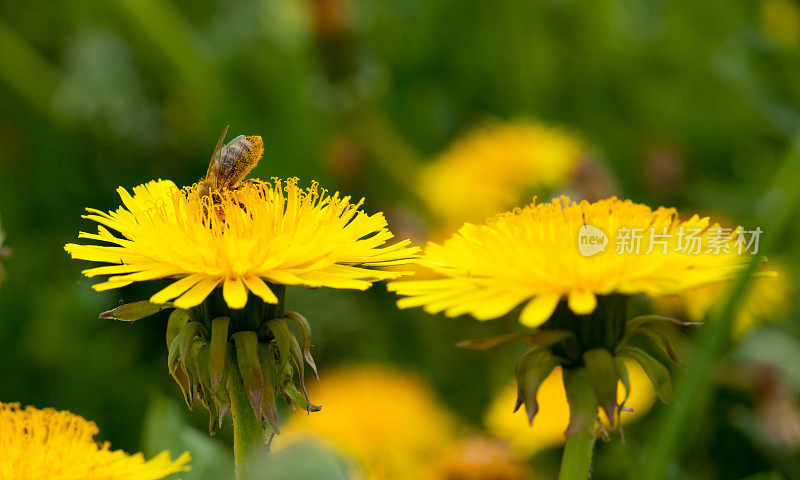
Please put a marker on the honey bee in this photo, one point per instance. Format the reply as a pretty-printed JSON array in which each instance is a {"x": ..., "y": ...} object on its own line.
[{"x": 230, "y": 163}]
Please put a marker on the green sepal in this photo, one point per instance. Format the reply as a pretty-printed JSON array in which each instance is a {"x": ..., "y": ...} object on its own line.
[
  {"x": 581, "y": 399},
  {"x": 177, "y": 371},
  {"x": 222, "y": 396},
  {"x": 622, "y": 373},
  {"x": 305, "y": 332},
  {"x": 301, "y": 399},
  {"x": 531, "y": 371},
  {"x": 185, "y": 340},
  {"x": 657, "y": 331},
  {"x": 270, "y": 373},
  {"x": 489, "y": 342},
  {"x": 218, "y": 349},
  {"x": 643, "y": 320},
  {"x": 546, "y": 338},
  {"x": 602, "y": 373},
  {"x": 656, "y": 337},
  {"x": 131, "y": 312},
  {"x": 283, "y": 338},
  {"x": 659, "y": 374},
  {"x": 285, "y": 376},
  {"x": 177, "y": 320},
  {"x": 297, "y": 358},
  {"x": 246, "y": 344},
  {"x": 203, "y": 361}
]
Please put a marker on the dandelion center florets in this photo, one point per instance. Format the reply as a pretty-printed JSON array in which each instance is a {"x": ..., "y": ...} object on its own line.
[
  {"x": 243, "y": 239},
  {"x": 532, "y": 256}
]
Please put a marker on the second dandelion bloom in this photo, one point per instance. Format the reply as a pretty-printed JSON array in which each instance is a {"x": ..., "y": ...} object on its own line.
[
  {"x": 533, "y": 256},
  {"x": 572, "y": 268}
]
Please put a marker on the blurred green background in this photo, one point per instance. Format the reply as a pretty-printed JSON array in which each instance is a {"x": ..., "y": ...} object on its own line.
[{"x": 355, "y": 94}]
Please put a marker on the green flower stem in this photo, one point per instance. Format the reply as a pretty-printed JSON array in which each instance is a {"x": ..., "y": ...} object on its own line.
[
  {"x": 248, "y": 432},
  {"x": 577, "y": 460}
]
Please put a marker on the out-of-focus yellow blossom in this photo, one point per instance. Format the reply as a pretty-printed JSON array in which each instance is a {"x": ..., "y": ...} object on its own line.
[
  {"x": 54, "y": 445},
  {"x": 780, "y": 21},
  {"x": 386, "y": 419},
  {"x": 244, "y": 240},
  {"x": 532, "y": 256},
  {"x": 480, "y": 458},
  {"x": 767, "y": 297},
  {"x": 548, "y": 427},
  {"x": 495, "y": 168}
]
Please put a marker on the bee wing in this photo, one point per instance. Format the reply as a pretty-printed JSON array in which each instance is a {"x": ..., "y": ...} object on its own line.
[{"x": 209, "y": 173}]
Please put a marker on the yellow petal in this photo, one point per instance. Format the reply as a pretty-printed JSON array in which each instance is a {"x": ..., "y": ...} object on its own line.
[
  {"x": 258, "y": 287},
  {"x": 176, "y": 288},
  {"x": 582, "y": 302},
  {"x": 102, "y": 287},
  {"x": 538, "y": 310},
  {"x": 195, "y": 295},
  {"x": 234, "y": 293}
]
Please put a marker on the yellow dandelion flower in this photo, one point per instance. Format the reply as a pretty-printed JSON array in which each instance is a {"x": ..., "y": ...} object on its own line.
[
  {"x": 780, "y": 21},
  {"x": 493, "y": 168},
  {"x": 480, "y": 458},
  {"x": 386, "y": 419},
  {"x": 58, "y": 445},
  {"x": 547, "y": 430},
  {"x": 244, "y": 240},
  {"x": 534, "y": 255},
  {"x": 768, "y": 296}
]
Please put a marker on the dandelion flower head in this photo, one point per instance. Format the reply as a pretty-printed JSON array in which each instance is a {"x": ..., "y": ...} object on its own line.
[
  {"x": 58, "y": 445},
  {"x": 531, "y": 256},
  {"x": 242, "y": 239},
  {"x": 780, "y": 22}
]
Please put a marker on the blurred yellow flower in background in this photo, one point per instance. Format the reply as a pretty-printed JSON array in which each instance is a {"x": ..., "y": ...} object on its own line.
[
  {"x": 493, "y": 168},
  {"x": 531, "y": 256},
  {"x": 780, "y": 21},
  {"x": 480, "y": 458},
  {"x": 768, "y": 297},
  {"x": 244, "y": 240},
  {"x": 57, "y": 445},
  {"x": 386, "y": 419},
  {"x": 547, "y": 429}
]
